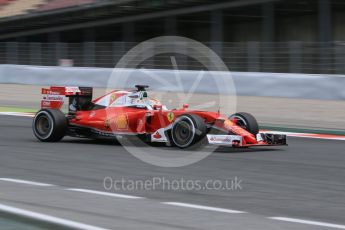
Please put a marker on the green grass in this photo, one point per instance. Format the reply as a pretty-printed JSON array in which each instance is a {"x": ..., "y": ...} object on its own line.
[
  {"x": 15, "y": 109},
  {"x": 14, "y": 222},
  {"x": 23, "y": 110}
]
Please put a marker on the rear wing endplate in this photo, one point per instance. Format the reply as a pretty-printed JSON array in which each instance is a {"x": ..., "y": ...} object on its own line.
[{"x": 53, "y": 97}]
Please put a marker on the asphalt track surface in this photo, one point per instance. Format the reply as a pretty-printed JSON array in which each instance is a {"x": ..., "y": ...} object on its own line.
[{"x": 305, "y": 180}]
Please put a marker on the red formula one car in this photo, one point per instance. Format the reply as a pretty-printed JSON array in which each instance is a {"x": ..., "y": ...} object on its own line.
[{"x": 133, "y": 113}]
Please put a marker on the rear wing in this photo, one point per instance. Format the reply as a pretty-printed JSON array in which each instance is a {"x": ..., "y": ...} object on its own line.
[{"x": 53, "y": 97}]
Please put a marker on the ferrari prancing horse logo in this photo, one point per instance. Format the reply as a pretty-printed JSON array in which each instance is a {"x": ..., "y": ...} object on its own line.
[{"x": 170, "y": 117}]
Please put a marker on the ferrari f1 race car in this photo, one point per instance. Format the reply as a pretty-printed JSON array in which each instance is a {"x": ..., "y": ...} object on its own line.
[{"x": 133, "y": 113}]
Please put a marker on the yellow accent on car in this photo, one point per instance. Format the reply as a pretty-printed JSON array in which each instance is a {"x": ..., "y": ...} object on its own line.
[{"x": 171, "y": 117}]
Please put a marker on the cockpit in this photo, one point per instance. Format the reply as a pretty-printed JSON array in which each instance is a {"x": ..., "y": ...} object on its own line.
[{"x": 137, "y": 99}]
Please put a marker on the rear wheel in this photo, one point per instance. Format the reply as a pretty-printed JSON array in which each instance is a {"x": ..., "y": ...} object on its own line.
[
  {"x": 188, "y": 130},
  {"x": 246, "y": 121},
  {"x": 49, "y": 125}
]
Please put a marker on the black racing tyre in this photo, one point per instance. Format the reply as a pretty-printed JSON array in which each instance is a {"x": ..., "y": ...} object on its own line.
[
  {"x": 49, "y": 125},
  {"x": 246, "y": 121},
  {"x": 188, "y": 130}
]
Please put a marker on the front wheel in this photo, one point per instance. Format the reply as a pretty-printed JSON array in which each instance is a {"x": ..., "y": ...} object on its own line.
[
  {"x": 246, "y": 121},
  {"x": 188, "y": 130},
  {"x": 49, "y": 125}
]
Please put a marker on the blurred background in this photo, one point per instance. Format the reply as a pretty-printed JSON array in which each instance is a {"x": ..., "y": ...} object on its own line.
[
  {"x": 290, "y": 36},
  {"x": 255, "y": 38},
  {"x": 286, "y": 58}
]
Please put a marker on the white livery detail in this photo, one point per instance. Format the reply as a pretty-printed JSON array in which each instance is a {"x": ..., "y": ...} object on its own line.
[
  {"x": 223, "y": 139},
  {"x": 73, "y": 90},
  {"x": 49, "y": 97},
  {"x": 259, "y": 137},
  {"x": 159, "y": 136}
]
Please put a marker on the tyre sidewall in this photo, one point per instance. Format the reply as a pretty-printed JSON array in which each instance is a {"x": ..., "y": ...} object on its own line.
[
  {"x": 251, "y": 122},
  {"x": 58, "y": 125},
  {"x": 196, "y": 125}
]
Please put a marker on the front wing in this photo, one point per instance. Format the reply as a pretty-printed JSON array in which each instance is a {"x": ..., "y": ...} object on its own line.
[{"x": 263, "y": 139}]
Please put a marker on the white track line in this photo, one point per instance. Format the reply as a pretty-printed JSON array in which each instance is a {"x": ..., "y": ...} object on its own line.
[
  {"x": 316, "y": 223},
  {"x": 25, "y": 182},
  {"x": 203, "y": 207},
  {"x": 47, "y": 218},
  {"x": 104, "y": 193}
]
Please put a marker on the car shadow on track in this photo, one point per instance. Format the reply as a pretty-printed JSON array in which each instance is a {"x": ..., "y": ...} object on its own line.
[{"x": 229, "y": 150}]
